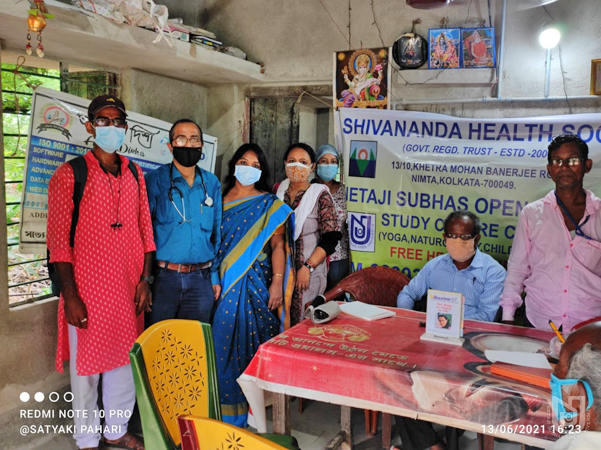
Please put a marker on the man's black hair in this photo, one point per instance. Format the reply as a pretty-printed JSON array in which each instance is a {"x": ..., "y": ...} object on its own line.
[
  {"x": 477, "y": 226},
  {"x": 184, "y": 121},
  {"x": 558, "y": 141}
]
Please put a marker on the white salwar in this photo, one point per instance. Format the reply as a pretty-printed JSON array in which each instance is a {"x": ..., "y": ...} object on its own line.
[{"x": 118, "y": 397}]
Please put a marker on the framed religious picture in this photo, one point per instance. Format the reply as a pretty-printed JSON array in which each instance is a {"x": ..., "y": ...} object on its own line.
[
  {"x": 478, "y": 47},
  {"x": 361, "y": 78},
  {"x": 596, "y": 77},
  {"x": 445, "y": 48}
]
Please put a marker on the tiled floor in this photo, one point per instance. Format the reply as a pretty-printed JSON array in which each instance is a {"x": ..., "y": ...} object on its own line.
[{"x": 318, "y": 424}]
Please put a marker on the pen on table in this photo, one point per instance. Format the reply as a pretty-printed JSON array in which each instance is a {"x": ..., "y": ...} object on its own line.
[{"x": 559, "y": 336}]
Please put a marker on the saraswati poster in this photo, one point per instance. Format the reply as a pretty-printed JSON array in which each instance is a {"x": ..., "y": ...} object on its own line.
[{"x": 362, "y": 78}]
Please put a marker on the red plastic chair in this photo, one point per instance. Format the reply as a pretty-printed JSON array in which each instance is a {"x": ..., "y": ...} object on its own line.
[
  {"x": 199, "y": 433},
  {"x": 374, "y": 285}
]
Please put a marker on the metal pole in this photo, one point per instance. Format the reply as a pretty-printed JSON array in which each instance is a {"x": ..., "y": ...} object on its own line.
[
  {"x": 548, "y": 73},
  {"x": 64, "y": 68},
  {"x": 501, "y": 50}
]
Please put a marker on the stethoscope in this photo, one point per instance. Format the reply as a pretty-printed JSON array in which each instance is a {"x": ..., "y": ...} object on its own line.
[{"x": 208, "y": 200}]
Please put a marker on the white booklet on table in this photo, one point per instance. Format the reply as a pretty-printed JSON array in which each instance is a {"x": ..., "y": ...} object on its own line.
[{"x": 366, "y": 311}]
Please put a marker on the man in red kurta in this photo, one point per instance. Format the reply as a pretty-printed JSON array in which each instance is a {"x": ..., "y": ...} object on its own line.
[{"x": 104, "y": 277}]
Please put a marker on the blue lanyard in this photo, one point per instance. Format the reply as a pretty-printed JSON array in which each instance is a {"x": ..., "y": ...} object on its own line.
[{"x": 578, "y": 231}]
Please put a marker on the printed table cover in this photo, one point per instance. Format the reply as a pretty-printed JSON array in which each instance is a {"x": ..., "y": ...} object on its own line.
[{"x": 383, "y": 365}]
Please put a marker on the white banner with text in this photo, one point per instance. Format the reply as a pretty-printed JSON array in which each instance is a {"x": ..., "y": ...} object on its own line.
[{"x": 406, "y": 171}]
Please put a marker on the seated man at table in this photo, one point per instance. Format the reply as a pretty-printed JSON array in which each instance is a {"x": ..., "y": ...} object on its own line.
[
  {"x": 579, "y": 371},
  {"x": 464, "y": 269}
]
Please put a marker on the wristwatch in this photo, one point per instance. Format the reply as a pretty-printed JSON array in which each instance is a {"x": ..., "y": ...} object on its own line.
[
  {"x": 309, "y": 266},
  {"x": 150, "y": 279}
]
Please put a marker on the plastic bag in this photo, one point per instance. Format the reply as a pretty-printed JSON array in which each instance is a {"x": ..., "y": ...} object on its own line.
[{"x": 141, "y": 13}]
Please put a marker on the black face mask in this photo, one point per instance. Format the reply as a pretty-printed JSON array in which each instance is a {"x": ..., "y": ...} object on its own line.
[{"x": 187, "y": 156}]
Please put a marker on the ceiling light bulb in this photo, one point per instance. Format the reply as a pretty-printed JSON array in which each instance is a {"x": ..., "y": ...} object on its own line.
[{"x": 549, "y": 37}]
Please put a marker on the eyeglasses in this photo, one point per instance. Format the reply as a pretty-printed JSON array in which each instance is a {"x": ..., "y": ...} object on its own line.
[
  {"x": 181, "y": 141},
  {"x": 463, "y": 237},
  {"x": 119, "y": 122},
  {"x": 568, "y": 161}
]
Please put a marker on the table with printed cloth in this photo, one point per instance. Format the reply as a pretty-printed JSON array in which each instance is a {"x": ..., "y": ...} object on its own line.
[{"x": 384, "y": 366}]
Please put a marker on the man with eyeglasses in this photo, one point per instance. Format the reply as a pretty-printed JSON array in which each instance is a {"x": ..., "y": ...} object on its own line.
[
  {"x": 556, "y": 253},
  {"x": 463, "y": 269},
  {"x": 576, "y": 391},
  {"x": 185, "y": 205},
  {"x": 103, "y": 268}
]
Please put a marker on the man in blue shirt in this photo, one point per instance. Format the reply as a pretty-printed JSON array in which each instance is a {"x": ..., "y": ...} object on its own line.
[
  {"x": 463, "y": 269},
  {"x": 185, "y": 206}
]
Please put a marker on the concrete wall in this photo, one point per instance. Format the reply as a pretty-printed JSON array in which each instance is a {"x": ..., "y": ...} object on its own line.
[
  {"x": 297, "y": 47},
  {"x": 307, "y": 120},
  {"x": 164, "y": 98},
  {"x": 191, "y": 11},
  {"x": 227, "y": 120}
]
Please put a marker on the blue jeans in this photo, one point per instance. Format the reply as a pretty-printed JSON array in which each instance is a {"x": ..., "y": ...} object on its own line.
[{"x": 181, "y": 296}]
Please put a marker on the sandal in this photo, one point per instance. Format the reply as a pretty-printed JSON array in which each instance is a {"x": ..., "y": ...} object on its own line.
[{"x": 127, "y": 441}]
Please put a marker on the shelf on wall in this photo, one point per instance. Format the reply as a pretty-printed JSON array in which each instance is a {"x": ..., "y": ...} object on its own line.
[
  {"x": 87, "y": 39},
  {"x": 483, "y": 77}
]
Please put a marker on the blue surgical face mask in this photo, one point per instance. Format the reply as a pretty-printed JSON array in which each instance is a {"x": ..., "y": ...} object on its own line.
[
  {"x": 557, "y": 396},
  {"x": 327, "y": 172},
  {"x": 110, "y": 139},
  {"x": 247, "y": 175}
]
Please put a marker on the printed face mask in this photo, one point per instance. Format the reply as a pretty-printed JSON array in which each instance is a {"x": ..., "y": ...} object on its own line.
[
  {"x": 187, "y": 156},
  {"x": 461, "y": 250},
  {"x": 109, "y": 138},
  {"x": 247, "y": 175},
  {"x": 327, "y": 171},
  {"x": 297, "y": 172}
]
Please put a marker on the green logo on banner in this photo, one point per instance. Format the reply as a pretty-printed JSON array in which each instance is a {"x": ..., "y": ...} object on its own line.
[{"x": 363, "y": 159}]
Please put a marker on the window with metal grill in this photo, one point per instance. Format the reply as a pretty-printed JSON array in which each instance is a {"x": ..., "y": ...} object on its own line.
[{"x": 28, "y": 274}]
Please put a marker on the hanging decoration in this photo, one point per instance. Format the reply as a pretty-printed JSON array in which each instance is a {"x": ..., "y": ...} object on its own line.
[
  {"x": 410, "y": 50},
  {"x": 36, "y": 22}
]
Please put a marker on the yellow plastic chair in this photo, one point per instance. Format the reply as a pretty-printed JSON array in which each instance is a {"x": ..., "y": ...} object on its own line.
[
  {"x": 173, "y": 363},
  {"x": 174, "y": 369},
  {"x": 198, "y": 433}
]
